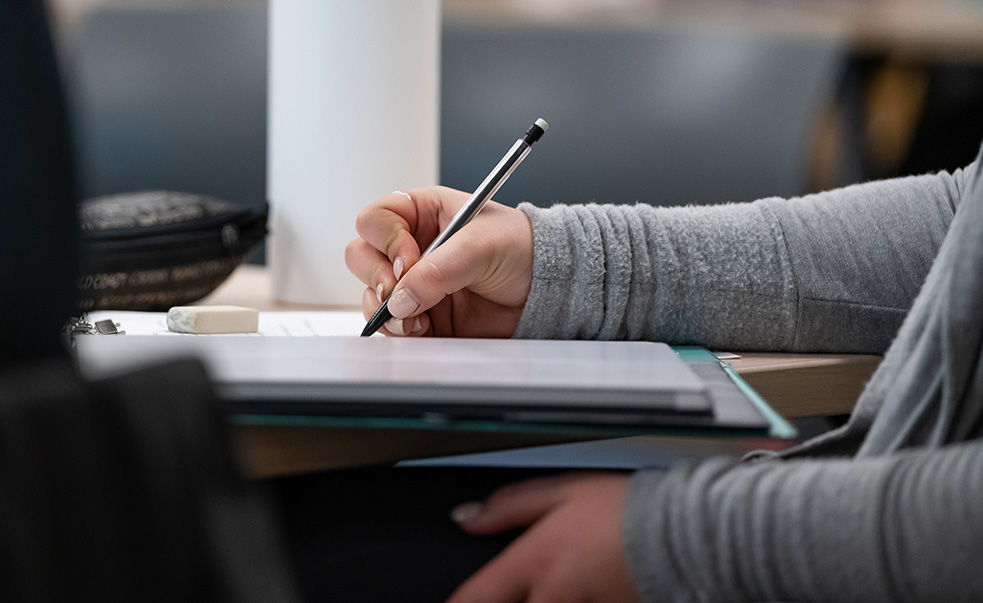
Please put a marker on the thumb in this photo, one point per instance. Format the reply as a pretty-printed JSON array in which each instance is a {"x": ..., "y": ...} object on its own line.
[{"x": 432, "y": 278}]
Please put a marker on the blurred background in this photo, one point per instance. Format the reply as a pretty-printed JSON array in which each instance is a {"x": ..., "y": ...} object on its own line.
[{"x": 659, "y": 101}]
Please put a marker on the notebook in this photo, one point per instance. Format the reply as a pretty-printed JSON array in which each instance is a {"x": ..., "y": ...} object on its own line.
[{"x": 298, "y": 366}]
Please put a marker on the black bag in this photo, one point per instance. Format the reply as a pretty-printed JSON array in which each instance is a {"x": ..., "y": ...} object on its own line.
[{"x": 153, "y": 250}]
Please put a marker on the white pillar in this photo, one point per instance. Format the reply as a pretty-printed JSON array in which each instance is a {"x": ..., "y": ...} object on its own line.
[{"x": 353, "y": 114}]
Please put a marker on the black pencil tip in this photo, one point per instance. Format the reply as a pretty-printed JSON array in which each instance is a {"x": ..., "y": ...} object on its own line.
[{"x": 378, "y": 319}]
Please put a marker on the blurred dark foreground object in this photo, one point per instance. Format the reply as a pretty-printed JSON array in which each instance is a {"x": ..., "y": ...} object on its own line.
[
  {"x": 154, "y": 250},
  {"x": 39, "y": 231},
  {"x": 126, "y": 490},
  {"x": 119, "y": 490}
]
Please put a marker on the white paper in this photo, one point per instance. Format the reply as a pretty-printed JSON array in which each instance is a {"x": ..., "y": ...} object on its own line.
[{"x": 271, "y": 324}]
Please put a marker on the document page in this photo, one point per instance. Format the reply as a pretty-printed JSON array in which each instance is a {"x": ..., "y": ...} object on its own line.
[{"x": 271, "y": 324}]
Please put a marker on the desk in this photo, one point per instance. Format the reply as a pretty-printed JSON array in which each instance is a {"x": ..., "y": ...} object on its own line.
[{"x": 796, "y": 385}]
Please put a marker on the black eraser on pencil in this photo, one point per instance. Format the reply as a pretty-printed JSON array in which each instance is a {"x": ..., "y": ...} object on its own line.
[{"x": 536, "y": 131}]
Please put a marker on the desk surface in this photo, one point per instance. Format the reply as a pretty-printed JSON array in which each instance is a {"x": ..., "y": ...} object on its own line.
[{"x": 796, "y": 385}]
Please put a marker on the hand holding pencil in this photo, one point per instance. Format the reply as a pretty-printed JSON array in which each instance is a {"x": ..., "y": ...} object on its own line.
[
  {"x": 471, "y": 284},
  {"x": 475, "y": 285}
]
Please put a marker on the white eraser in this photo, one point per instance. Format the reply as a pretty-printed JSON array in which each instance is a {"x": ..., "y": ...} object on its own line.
[
  {"x": 542, "y": 124},
  {"x": 212, "y": 319}
]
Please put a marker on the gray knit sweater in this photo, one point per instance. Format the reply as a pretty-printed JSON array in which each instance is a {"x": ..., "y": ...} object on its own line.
[{"x": 888, "y": 508}]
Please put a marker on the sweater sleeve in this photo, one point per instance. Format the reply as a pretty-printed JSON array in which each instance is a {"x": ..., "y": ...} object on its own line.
[
  {"x": 835, "y": 271},
  {"x": 840, "y": 530}
]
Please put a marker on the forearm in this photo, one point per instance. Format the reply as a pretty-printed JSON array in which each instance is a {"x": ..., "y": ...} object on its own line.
[
  {"x": 836, "y": 530},
  {"x": 835, "y": 271},
  {"x": 661, "y": 274}
]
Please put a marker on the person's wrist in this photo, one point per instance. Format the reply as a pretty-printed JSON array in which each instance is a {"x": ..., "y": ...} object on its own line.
[
  {"x": 550, "y": 275},
  {"x": 521, "y": 250}
]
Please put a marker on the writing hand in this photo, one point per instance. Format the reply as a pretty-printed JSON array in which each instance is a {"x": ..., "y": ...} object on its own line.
[
  {"x": 572, "y": 550},
  {"x": 474, "y": 285}
]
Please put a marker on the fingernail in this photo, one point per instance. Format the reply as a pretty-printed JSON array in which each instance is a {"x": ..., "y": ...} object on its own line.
[
  {"x": 398, "y": 267},
  {"x": 396, "y": 326},
  {"x": 403, "y": 303},
  {"x": 417, "y": 324},
  {"x": 378, "y": 292},
  {"x": 466, "y": 512}
]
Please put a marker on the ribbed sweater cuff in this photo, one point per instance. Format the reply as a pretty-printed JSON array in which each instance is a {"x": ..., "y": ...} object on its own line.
[{"x": 556, "y": 308}]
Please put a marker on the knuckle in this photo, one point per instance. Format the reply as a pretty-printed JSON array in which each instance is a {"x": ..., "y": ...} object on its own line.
[
  {"x": 352, "y": 249},
  {"x": 364, "y": 219}
]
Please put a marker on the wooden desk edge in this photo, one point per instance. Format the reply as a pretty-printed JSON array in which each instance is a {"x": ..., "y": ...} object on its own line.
[
  {"x": 762, "y": 362},
  {"x": 801, "y": 385}
]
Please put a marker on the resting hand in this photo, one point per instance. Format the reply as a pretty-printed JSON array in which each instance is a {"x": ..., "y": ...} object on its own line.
[
  {"x": 572, "y": 551},
  {"x": 474, "y": 285}
]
